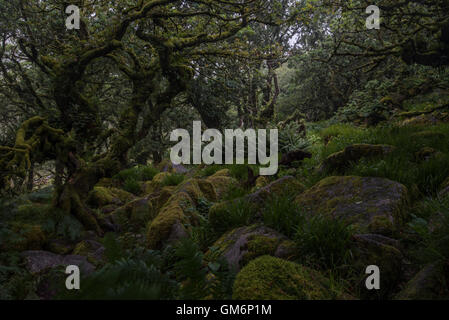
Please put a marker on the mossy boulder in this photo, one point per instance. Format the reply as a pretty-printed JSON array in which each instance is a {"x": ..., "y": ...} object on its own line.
[
  {"x": 221, "y": 181},
  {"x": 421, "y": 120},
  {"x": 287, "y": 250},
  {"x": 341, "y": 160},
  {"x": 199, "y": 188},
  {"x": 219, "y": 214},
  {"x": 101, "y": 196},
  {"x": 428, "y": 284},
  {"x": 158, "y": 199},
  {"x": 180, "y": 211},
  {"x": 261, "y": 182},
  {"x": 48, "y": 285},
  {"x": 244, "y": 244},
  {"x": 34, "y": 236},
  {"x": 370, "y": 205},
  {"x": 134, "y": 214},
  {"x": 92, "y": 250},
  {"x": 428, "y": 135},
  {"x": 25, "y": 236},
  {"x": 48, "y": 271},
  {"x": 175, "y": 214},
  {"x": 381, "y": 251},
  {"x": 167, "y": 166},
  {"x": 122, "y": 195},
  {"x": 60, "y": 246},
  {"x": 160, "y": 177},
  {"x": 108, "y": 183},
  {"x": 156, "y": 184},
  {"x": 37, "y": 261},
  {"x": 109, "y": 209},
  {"x": 270, "y": 278},
  {"x": 427, "y": 153},
  {"x": 222, "y": 173},
  {"x": 286, "y": 185}
]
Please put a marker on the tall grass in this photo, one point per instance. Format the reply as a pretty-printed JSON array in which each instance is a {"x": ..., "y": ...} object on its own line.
[
  {"x": 282, "y": 214},
  {"x": 173, "y": 179},
  {"x": 234, "y": 192},
  {"x": 324, "y": 242},
  {"x": 132, "y": 186},
  {"x": 321, "y": 241},
  {"x": 237, "y": 213},
  {"x": 137, "y": 173},
  {"x": 430, "y": 223},
  {"x": 425, "y": 177}
]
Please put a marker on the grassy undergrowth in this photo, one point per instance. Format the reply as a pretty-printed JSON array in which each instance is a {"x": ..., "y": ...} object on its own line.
[
  {"x": 177, "y": 272},
  {"x": 429, "y": 230},
  {"x": 422, "y": 177}
]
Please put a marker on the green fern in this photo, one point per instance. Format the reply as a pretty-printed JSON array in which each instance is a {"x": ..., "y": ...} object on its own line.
[
  {"x": 125, "y": 280},
  {"x": 113, "y": 249},
  {"x": 189, "y": 269},
  {"x": 291, "y": 138}
]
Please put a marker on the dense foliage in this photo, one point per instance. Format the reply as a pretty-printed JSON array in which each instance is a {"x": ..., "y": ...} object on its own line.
[{"x": 85, "y": 122}]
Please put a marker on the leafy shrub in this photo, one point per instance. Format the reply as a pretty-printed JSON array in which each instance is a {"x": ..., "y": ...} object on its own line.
[
  {"x": 16, "y": 281},
  {"x": 224, "y": 277},
  {"x": 69, "y": 227},
  {"x": 366, "y": 103},
  {"x": 137, "y": 173},
  {"x": 191, "y": 270},
  {"x": 173, "y": 179},
  {"x": 132, "y": 186},
  {"x": 190, "y": 267},
  {"x": 203, "y": 206},
  {"x": 44, "y": 195},
  {"x": 148, "y": 173},
  {"x": 113, "y": 248},
  {"x": 234, "y": 192},
  {"x": 291, "y": 138},
  {"x": 203, "y": 234},
  {"x": 59, "y": 224}
]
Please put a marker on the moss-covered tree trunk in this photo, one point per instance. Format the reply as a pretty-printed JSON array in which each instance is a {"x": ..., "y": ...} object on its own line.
[
  {"x": 156, "y": 62},
  {"x": 30, "y": 182},
  {"x": 71, "y": 196}
]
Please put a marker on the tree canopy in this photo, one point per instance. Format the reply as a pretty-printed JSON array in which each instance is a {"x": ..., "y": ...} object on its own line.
[{"x": 98, "y": 98}]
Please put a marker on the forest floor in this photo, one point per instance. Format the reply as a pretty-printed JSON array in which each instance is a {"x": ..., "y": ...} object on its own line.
[{"x": 367, "y": 196}]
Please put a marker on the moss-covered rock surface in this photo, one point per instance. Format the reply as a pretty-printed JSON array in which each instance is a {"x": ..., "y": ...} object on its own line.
[
  {"x": 369, "y": 204},
  {"x": 269, "y": 278}
]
